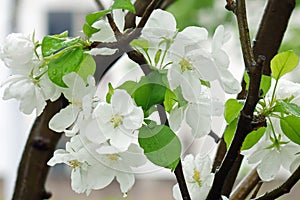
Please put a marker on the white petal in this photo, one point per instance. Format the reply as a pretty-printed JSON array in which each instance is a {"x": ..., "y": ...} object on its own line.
[
  {"x": 134, "y": 156},
  {"x": 100, "y": 177},
  {"x": 191, "y": 87},
  {"x": 134, "y": 120},
  {"x": 59, "y": 156},
  {"x": 257, "y": 156},
  {"x": 120, "y": 139},
  {"x": 176, "y": 192},
  {"x": 76, "y": 87},
  {"x": 126, "y": 181},
  {"x": 105, "y": 34},
  {"x": 91, "y": 131},
  {"x": 101, "y": 51},
  {"x": 228, "y": 82},
  {"x": 119, "y": 17},
  {"x": 174, "y": 76},
  {"x": 103, "y": 112},
  {"x": 269, "y": 166},
  {"x": 121, "y": 102},
  {"x": 64, "y": 119},
  {"x": 191, "y": 35},
  {"x": 176, "y": 118},
  {"x": 198, "y": 117}
]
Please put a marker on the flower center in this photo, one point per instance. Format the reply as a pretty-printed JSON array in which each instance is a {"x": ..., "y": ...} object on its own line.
[
  {"x": 74, "y": 164},
  {"x": 113, "y": 156},
  {"x": 197, "y": 177},
  {"x": 185, "y": 65},
  {"x": 116, "y": 120}
]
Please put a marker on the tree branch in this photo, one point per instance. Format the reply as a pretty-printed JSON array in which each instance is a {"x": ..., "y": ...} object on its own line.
[
  {"x": 284, "y": 188},
  {"x": 243, "y": 128},
  {"x": 39, "y": 149},
  {"x": 271, "y": 30},
  {"x": 245, "y": 186}
]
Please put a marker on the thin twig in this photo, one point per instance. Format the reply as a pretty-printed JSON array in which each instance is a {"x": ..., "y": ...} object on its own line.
[
  {"x": 284, "y": 188},
  {"x": 245, "y": 186},
  {"x": 100, "y": 5},
  {"x": 257, "y": 188}
]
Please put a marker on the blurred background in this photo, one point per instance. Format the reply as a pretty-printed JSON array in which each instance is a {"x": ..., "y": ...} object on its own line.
[{"x": 55, "y": 16}]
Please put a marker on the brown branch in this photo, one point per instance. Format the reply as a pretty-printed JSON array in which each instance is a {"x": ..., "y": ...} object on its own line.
[
  {"x": 284, "y": 188},
  {"x": 39, "y": 149},
  {"x": 245, "y": 186},
  {"x": 257, "y": 188},
  {"x": 243, "y": 128},
  {"x": 271, "y": 30}
]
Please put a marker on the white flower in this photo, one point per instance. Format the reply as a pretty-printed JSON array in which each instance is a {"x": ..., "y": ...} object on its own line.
[
  {"x": 17, "y": 51},
  {"x": 196, "y": 114},
  {"x": 160, "y": 25},
  {"x": 80, "y": 96},
  {"x": 221, "y": 61},
  {"x": 118, "y": 121},
  {"x": 95, "y": 166},
  {"x": 198, "y": 177},
  {"x": 295, "y": 164},
  {"x": 185, "y": 53},
  {"x": 270, "y": 155}
]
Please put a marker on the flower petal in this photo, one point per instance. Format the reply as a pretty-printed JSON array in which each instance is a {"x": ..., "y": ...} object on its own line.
[
  {"x": 121, "y": 102},
  {"x": 134, "y": 120},
  {"x": 64, "y": 119},
  {"x": 126, "y": 181}
]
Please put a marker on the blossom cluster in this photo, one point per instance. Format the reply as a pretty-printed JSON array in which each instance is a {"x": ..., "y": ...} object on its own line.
[{"x": 103, "y": 135}]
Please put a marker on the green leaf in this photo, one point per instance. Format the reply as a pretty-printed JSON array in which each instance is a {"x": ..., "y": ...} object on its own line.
[
  {"x": 111, "y": 91},
  {"x": 123, "y": 4},
  {"x": 93, "y": 17},
  {"x": 229, "y": 132},
  {"x": 232, "y": 110},
  {"x": 161, "y": 145},
  {"x": 252, "y": 138},
  {"x": 150, "y": 90},
  {"x": 290, "y": 126},
  {"x": 170, "y": 100},
  {"x": 180, "y": 98},
  {"x": 265, "y": 84},
  {"x": 66, "y": 63},
  {"x": 283, "y": 63},
  {"x": 88, "y": 30},
  {"x": 140, "y": 43},
  {"x": 129, "y": 86},
  {"x": 87, "y": 67},
  {"x": 288, "y": 108},
  {"x": 52, "y": 44}
]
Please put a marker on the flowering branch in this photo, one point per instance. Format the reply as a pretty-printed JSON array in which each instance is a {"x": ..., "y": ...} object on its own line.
[{"x": 284, "y": 188}]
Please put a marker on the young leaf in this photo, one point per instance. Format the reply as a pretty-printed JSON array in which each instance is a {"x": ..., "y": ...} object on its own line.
[
  {"x": 252, "y": 138},
  {"x": 232, "y": 110},
  {"x": 229, "y": 132},
  {"x": 283, "y": 63},
  {"x": 265, "y": 84},
  {"x": 170, "y": 100},
  {"x": 52, "y": 44},
  {"x": 68, "y": 62},
  {"x": 140, "y": 43},
  {"x": 150, "y": 90},
  {"x": 161, "y": 145},
  {"x": 93, "y": 17},
  {"x": 288, "y": 108},
  {"x": 88, "y": 30},
  {"x": 87, "y": 67},
  {"x": 157, "y": 56},
  {"x": 290, "y": 126},
  {"x": 123, "y": 4}
]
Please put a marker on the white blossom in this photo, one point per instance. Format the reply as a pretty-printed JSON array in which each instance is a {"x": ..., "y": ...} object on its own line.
[
  {"x": 80, "y": 96},
  {"x": 119, "y": 120},
  {"x": 197, "y": 115},
  {"x": 94, "y": 166},
  {"x": 198, "y": 177}
]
